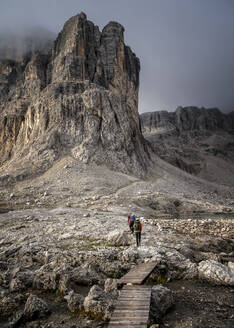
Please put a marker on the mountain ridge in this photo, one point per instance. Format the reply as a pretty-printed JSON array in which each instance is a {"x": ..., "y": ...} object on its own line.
[{"x": 199, "y": 141}]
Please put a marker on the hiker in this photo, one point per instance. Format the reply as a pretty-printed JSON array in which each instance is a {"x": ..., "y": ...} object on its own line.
[
  {"x": 138, "y": 229},
  {"x": 131, "y": 220}
]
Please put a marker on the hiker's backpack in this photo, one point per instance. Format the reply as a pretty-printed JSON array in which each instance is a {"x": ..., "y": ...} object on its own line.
[
  {"x": 132, "y": 218},
  {"x": 137, "y": 227}
]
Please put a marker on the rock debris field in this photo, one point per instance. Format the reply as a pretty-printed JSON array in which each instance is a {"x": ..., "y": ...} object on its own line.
[{"x": 64, "y": 242}]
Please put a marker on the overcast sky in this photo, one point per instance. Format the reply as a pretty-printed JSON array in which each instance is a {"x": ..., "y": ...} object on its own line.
[{"x": 186, "y": 47}]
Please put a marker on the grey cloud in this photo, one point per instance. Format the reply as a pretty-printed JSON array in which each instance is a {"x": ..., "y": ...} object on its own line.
[{"x": 186, "y": 47}]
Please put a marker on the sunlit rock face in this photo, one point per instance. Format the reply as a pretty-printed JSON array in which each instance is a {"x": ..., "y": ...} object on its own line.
[{"x": 80, "y": 98}]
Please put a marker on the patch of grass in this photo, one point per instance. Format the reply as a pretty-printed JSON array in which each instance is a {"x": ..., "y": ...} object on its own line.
[
  {"x": 158, "y": 278},
  {"x": 66, "y": 247},
  {"x": 116, "y": 275},
  {"x": 90, "y": 315},
  {"x": 161, "y": 278},
  {"x": 93, "y": 316},
  {"x": 59, "y": 292},
  {"x": 109, "y": 245}
]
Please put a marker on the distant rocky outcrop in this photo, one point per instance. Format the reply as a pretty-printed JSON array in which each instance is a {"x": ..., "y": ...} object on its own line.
[
  {"x": 197, "y": 140},
  {"x": 187, "y": 119},
  {"x": 80, "y": 98}
]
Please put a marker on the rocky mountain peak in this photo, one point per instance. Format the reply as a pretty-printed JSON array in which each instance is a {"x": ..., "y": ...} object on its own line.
[{"x": 81, "y": 98}]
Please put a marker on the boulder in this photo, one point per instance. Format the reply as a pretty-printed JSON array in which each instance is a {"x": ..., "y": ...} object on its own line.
[
  {"x": 119, "y": 238},
  {"x": 16, "y": 285},
  {"x": 35, "y": 308},
  {"x": 130, "y": 254},
  {"x": 46, "y": 278},
  {"x": 99, "y": 303},
  {"x": 114, "y": 268},
  {"x": 74, "y": 301},
  {"x": 161, "y": 301},
  {"x": 178, "y": 266},
  {"x": 216, "y": 273},
  {"x": 86, "y": 275},
  {"x": 111, "y": 286},
  {"x": 21, "y": 281},
  {"x": 231, "y": 266},
  {"x": 149, "y": 253},
  {"x": 9, "y": 304}
]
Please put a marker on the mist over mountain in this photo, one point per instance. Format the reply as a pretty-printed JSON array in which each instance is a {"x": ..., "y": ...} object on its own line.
[
  {"x": 186, "y": 47},
  {"x": 21, "y": 40}
]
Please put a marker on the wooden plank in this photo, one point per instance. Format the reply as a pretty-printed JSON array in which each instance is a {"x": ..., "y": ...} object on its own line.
[
  {"x": 129, "y": 287},
  {"x": 132, "y": 308},
  {"x": 130, "y": 299},
  {"x": 139, "y": 318},
  {"x": 130, "y": 322},
  {"x": 127, "y": 313},
  {"x": 114, "y": 325},
  {"x": 138, "y": 274}
]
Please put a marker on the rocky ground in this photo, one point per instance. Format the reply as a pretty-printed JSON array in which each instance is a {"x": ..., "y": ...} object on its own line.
[{"x": 64, "y": 241}]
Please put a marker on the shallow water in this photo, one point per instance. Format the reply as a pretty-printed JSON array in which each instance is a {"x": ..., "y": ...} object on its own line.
[{"x": 203, "y": 216}]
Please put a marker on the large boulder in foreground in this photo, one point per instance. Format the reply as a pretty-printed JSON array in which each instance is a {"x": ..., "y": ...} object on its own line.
[
  {"x": 99, "y": 303},
  {"x": 216, "y": 273},
  {"x": 161, "y": 301},
  {"x": 35, "y": 308}
]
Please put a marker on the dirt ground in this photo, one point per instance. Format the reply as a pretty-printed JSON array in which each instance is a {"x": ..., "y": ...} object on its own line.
[{"x": 199, "y": 305}]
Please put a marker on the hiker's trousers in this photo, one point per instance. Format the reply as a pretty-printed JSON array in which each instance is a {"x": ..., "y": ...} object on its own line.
[{"x": 138, "y": 238}]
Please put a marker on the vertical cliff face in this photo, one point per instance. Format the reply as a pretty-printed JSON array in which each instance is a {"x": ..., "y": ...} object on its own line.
[
  {"x": 81, "y": 98},
  {"x": 81, "y": 52}
]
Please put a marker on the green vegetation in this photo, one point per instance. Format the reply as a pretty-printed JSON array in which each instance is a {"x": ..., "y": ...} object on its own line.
[
  {"x": 89, "y": 315},
  {"x": 158, "y": 278},
  {"x": 161, "y": 278}
]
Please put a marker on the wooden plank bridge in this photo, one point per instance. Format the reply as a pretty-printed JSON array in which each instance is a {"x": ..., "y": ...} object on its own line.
[
  {"x": 133, "y": 305},
  {"x": 138, "y": 274}
]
